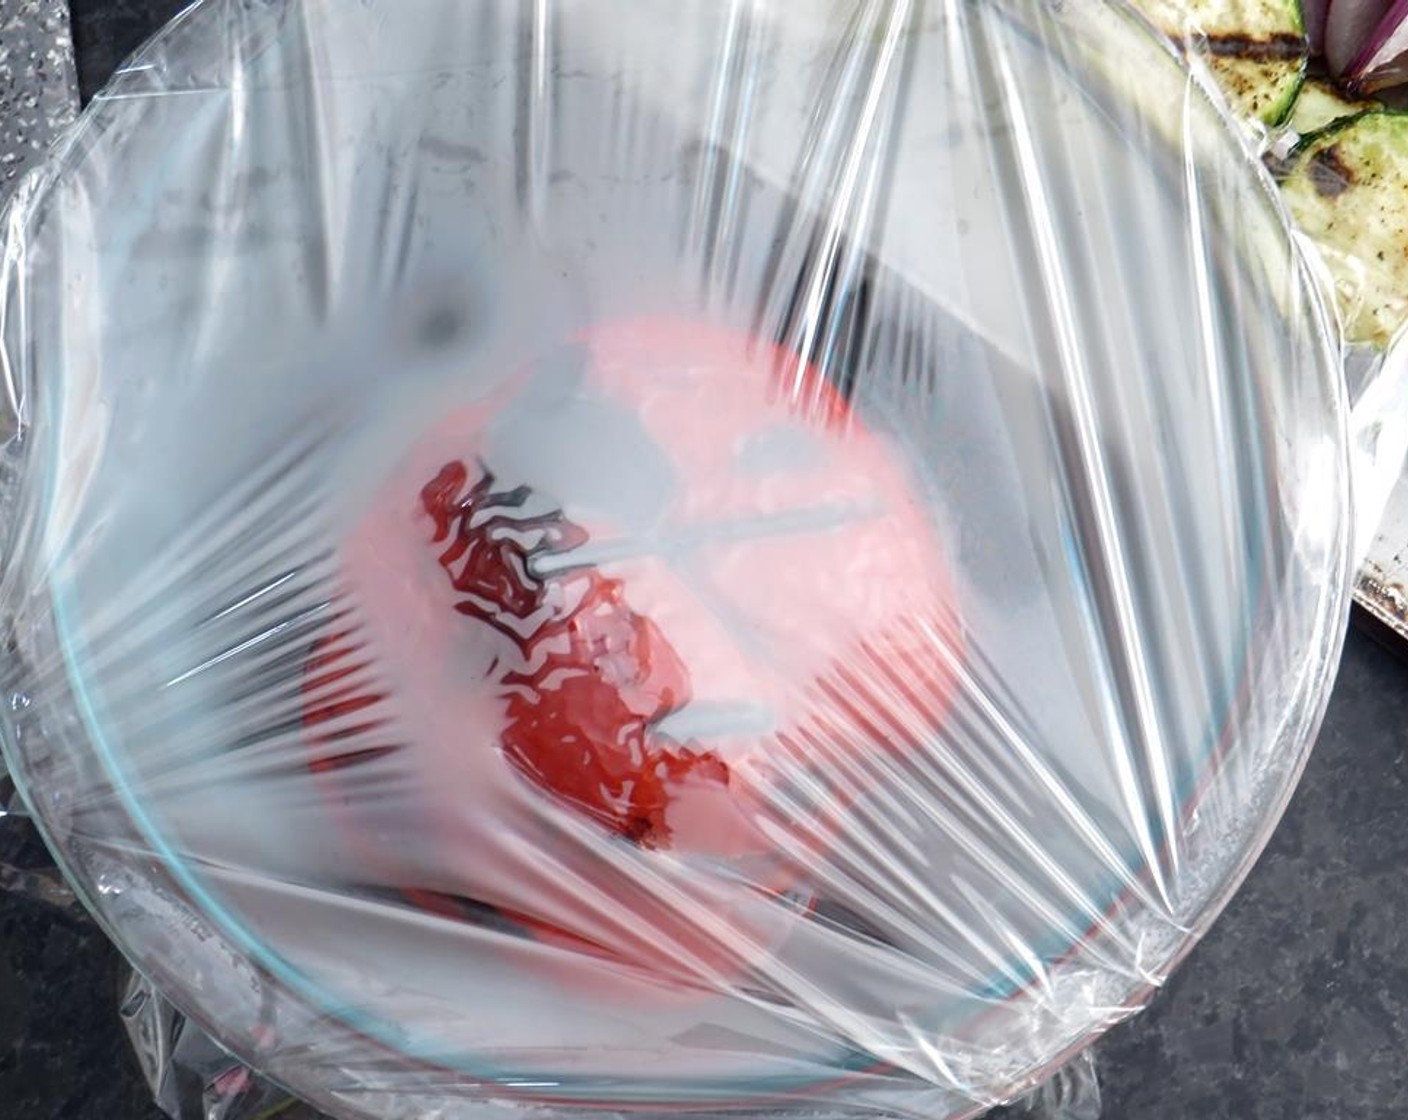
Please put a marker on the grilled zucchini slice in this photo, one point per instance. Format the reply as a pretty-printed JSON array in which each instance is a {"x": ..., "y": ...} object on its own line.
[
  {"x": 1347, "y": 189},
  {"x": 1319, "y": 105},
  {"x": 1256, "y": 49}
]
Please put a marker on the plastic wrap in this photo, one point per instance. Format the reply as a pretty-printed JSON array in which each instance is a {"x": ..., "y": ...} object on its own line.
[
  {"x": 573, "y": 557},
  {"x": 193, "y": 1078}
]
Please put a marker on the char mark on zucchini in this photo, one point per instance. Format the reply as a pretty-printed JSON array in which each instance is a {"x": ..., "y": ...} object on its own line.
[
  {"x": 1279, "y": 47},
  {"x": 1329, "y": 174}
]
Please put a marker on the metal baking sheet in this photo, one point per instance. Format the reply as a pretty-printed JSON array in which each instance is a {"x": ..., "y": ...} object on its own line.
[{"x": 1383, "y": 582}]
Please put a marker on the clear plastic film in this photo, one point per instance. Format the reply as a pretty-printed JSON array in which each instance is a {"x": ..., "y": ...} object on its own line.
[
  {"x": 193, "y": 1078},
  {"x": 755, "y": 556}
]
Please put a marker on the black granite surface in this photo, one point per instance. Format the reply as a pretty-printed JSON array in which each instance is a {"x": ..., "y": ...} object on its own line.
[
  {"x": 106, "y": 31},
  {"x": 1295, "y": 1007},
  {"x": 1296, "y": 1004},
  {"x": 63, "y": 1053}
]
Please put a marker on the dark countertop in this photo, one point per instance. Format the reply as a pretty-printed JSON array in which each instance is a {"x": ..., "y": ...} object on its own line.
[
  {"x": 1295, "y": 1006},
  {"x": 106, "y": 31}
]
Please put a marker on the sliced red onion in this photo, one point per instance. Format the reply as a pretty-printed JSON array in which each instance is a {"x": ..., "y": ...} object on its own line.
[
  {"x": 1314, "y": 12},
  {"x": 1349, "y": 26},
  {"x": 1379, "y": 63}
]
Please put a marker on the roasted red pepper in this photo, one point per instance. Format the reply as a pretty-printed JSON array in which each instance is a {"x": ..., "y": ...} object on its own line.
[
  {"x": 581, "y": 723},
  {"x": 696, "y": 591}
]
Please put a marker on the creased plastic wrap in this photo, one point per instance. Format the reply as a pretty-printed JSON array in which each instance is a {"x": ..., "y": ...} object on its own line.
[
  {"x": 193, "y": 1078},
  {"x": 767, "y": 557}
]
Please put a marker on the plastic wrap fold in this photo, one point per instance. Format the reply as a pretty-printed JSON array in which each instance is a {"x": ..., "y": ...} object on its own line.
[
  {"x": 193, "y": 1078},
  {"x": 721, "y": 556}
]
